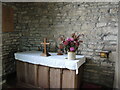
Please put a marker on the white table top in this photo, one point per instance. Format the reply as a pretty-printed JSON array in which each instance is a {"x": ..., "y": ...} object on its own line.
[{"x": 56, "y": 61}]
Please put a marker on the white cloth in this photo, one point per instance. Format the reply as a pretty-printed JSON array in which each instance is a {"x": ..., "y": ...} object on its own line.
[{"x": 57, "y": 61}]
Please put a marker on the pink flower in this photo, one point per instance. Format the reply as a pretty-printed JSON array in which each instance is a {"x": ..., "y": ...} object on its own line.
[
  {"x": 72, "y": 49},
  {"x": 72, "y": 43},
  {"x": 70, "y": 39},
  {"x": 65, "y": 43}
]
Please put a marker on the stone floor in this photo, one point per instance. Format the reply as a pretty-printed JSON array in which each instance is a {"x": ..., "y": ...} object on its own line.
[
  {"x": 10, "y": 81},
  {"x": 11, "y": 84}
]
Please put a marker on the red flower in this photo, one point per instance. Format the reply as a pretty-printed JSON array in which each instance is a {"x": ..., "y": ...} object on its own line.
[
  {"x": 70, "y": 39},
  {"x": 61, "y": 46},
  {"x": 72, "y": 43},
  {"x": 77, "y": 44},
  {"x": 65, "y": 43}
]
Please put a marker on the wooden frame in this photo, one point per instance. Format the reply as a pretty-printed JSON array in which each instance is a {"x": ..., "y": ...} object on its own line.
[{"x": 7, "y": 19}]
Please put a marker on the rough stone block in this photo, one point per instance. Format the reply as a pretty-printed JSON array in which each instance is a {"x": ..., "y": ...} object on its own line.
[
  {"x": 110, "y": 37},
  {"x": 101, "y": 24},
  {"x": 110, "y": 30},
  {"x": 106, "y": 64},
  {"x": 110, "y": 48},
  {"x": 112, "y": 56},
  {"x": 88, "y": 26},
  {"x": 113, "y": 10}
]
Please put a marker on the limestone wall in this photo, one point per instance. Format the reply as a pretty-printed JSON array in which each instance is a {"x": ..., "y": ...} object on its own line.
[
  {"x": 0, "y": 44},
  {"x": 10, "y": 45}
]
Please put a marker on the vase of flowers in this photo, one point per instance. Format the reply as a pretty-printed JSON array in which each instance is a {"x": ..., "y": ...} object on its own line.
[{"x": 71, "y": 45}]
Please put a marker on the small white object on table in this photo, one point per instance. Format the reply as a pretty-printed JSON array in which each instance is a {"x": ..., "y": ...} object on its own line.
[{"x": 56, "y": 61}]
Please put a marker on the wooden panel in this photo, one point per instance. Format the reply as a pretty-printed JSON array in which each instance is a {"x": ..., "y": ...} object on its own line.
[
  {"x": 68, "y": 79},
  {"x": 26, "y": 72},
  {"x": 18, "y": 70},
  {"x": 55, "y": 78},
  {"x": 32, "y": 74},
  {"x": 43, "y": 77},
  {"x": 21, "y": 71},
  {"x": 7, "y": 19}
]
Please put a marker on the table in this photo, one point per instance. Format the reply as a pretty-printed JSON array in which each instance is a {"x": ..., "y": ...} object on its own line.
[{"x": 54, "y": 71}]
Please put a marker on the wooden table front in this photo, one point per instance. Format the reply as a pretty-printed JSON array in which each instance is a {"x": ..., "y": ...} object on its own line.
[{"x": 38, "y": 76}]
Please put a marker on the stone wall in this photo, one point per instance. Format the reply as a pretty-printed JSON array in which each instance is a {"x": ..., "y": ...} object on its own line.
[
  {"x": 0, "y": 44},
  {"x": 97, "y": 21},
  {"x": 10, "y": 44}
]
